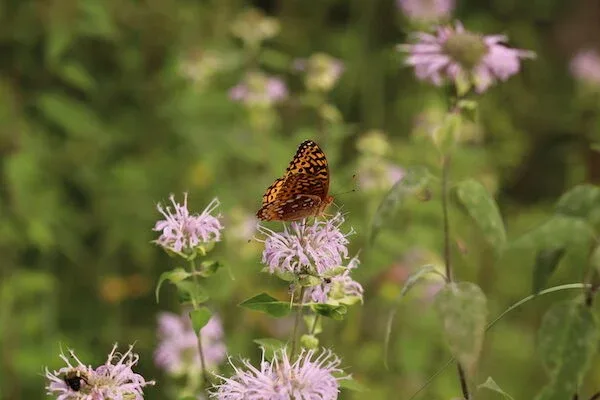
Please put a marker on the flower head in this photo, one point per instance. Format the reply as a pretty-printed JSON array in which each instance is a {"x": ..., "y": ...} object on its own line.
[
  {"x": 322, "y": 71},
  {"x": 259, "y": 90},
  {"x": 338, "y": 289},
  {"x": 586, "y": 66},
  {"x": 177, "y": 351},
  {"x": 309, "y": 377},
  {"x": 458, "y": 55},
  {"x": 426, "y": 10},
  {"x": 113, "y": 380},
  {"x": 302, "y": 248},
  {"x": 184, "y": 232}
]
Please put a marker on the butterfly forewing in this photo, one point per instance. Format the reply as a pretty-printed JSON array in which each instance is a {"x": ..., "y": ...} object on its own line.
[{"x": 302, "y": 192}]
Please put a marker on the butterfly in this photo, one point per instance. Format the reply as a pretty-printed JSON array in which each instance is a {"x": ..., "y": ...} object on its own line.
[{"x": 303, "y": 190}]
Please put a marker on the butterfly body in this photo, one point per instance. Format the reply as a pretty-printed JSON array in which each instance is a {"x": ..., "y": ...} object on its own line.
[{"x": 303, "y": 191}]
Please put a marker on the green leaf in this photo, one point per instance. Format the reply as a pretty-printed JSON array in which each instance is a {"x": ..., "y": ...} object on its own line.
[
  {"x": 493, "y": 386},
  {"x": 71, "y": 115},
  {"x": 572, "y": 234},
  {"x": 309, "y": 280},
  {"x": 267, "y": 304},
  {"x": 595, "y": 258},
  {"x": 482, "y": 208},
  {"x": 333, "y": 272},
  {"x": 410, "y": 282},
  {"x": 546, "y": 262},
  {"x": 175, "y": 276},
  {"x": 414, "y": 182},
  {"x": 191, "y": 292},
  {"x": 336, "y": 312},
  {"x": 200, "y": 317},
  {"x": 352, "y": 385},
  {"x": 270, "y": 346},
  {"x": 208, "y": 268},
  {"x": 567, "y": 344},
  {"x": 463, "y": 310},
  {"x": 75, "y": 74},
  {"x": 581, "y": 201}
]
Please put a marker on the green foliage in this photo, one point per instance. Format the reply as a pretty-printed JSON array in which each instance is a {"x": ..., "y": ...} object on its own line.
[
  {"x": 414, "y": 182},
  {"x": 546, "y": 262},
  {"x": 462, "y": 308},
  {"x": 568, "y": 339},
  {"x": 267, "y": 304},
  {"x": 482, "y": 208},
  {"x": 107, "y": 107},
  {"x": 200, "y": 317},
  {"x": 270, "y": 346}
]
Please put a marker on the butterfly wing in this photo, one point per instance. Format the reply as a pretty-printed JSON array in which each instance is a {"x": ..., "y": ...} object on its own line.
[
  {"x": 271, "y": 193},
  {"x": 310, "y": 160},
  {"x": 302, "y": 191},
  {"x": 297, "y": 197}
]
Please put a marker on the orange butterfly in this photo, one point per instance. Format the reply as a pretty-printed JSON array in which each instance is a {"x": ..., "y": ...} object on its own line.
[{"x": 303, "y": 191}]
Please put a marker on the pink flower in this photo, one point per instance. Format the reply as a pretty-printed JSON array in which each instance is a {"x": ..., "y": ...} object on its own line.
[
  {"x": 338, "y": 289},
  {"x": 458, "y": 55},
  {"x": 311, "y": 249},
  {"x": 184, "y": 232},
  {"x": 113, "y": 380},
  {"x": 586, "y": 66},
  {"x": 258, "y": 89},
  {"x": 426, "y": 10},
  {"x": 177, "y": 350},
  {"x": 309, "y": 377}
]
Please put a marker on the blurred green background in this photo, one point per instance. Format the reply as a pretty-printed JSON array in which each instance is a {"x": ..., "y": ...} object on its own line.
[{"x": 107, "y": 107}]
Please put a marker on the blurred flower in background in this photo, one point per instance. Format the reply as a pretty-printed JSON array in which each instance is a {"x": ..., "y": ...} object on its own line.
[
  {"x": 304, "y": 248},
  {"x": 200, "y": 66},
  {"x": 258, "y": 89},
  {"x": 374, "y": 171},
  {"x": 337, "y": 289},
  {"x": 427, "y": 10},
  {"x": 253, "y": 27},
  {"x": 113, "y": 380},
  {"x": 184, "y": 232},
  {"x": 311, "y": 376},
  {"x": 462, "y": 57},
  {"x": 322, "y": 71},
  {"x": 177, "y": 350},
  {"x": 585, "y": 66}
]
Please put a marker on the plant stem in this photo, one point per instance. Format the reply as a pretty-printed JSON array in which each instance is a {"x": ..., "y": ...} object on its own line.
[
  {"x": 445, "y": 171},
  {"x": 447, "y": 259},
  {"x": 297, "y": 323},
  {"x": 313, "y": 328},
  {"x": 205, "y": 377}
]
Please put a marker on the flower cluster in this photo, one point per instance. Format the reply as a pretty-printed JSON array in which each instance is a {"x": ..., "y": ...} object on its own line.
[
  {"x": 311, "y": 376},
  {"x": 182, "y": 232},
  {"x": 426, "y": 10},
  {"x": 177, "y": 351},
  {"x": 258, "y": 89},
  {"x": 306, "y": 249},
  {"x": 463, "y": 57},
  {"x": 337, "y": 289},
  {"x": 322, "y": 71},
  {"x": 585, "y": 66},
  {"x": 114, "y": 379}
]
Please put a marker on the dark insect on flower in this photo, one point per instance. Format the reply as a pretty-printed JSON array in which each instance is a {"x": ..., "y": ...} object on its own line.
[{"x": 73, "y": 379}]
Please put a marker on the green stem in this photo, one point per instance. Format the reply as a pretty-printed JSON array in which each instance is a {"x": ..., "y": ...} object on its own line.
[
  {"x": 313, "y": 328},
  {"x": 447, "y": 258},
  {"x": 297, "y": 323},
  {"x": 205, "y": 377}
]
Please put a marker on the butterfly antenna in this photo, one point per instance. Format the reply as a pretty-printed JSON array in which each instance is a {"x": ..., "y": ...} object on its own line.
[{"x": 355, "y": 189}]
